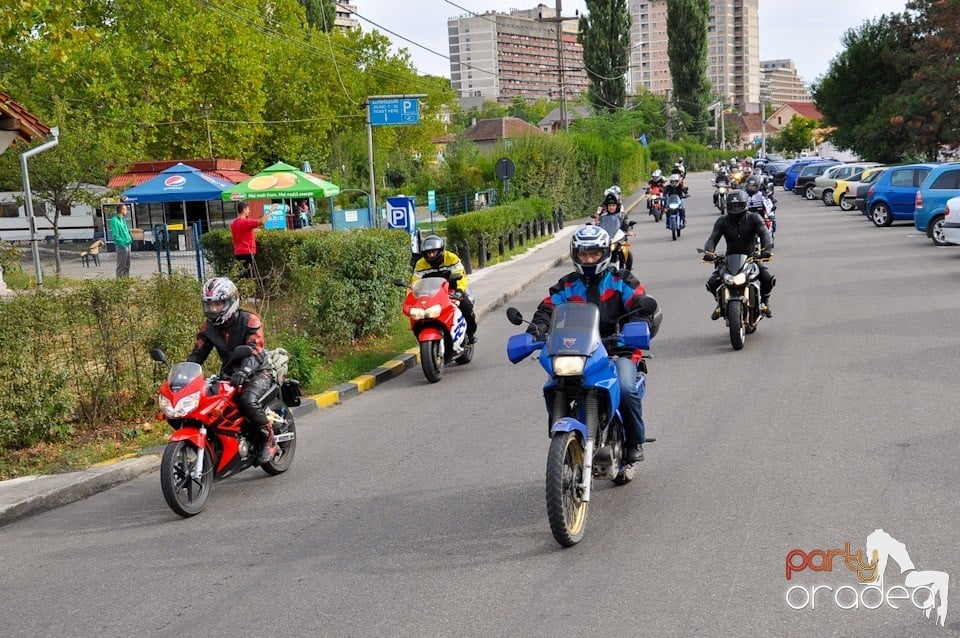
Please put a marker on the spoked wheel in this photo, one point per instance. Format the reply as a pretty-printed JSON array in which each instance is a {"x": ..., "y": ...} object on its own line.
[
  {"x": 738, "y": 333},
  {"x": 431, "y": 359},
  {"x": 845, "y": 205},
  {"x": 286, "y": 437},
  {"x": 185, "y": 495},
  {"x": 566, "y": 510},
  {"x": 880, "y": 215}
]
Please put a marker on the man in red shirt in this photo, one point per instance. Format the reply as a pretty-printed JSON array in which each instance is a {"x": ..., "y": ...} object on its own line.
[{"x": 244, "y": 240}]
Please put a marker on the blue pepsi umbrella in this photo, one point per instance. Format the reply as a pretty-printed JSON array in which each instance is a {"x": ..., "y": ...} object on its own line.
[{"x": 179, "y": 183}]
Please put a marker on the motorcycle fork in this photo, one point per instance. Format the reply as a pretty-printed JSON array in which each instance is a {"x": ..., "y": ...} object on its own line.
[
  {"x": 593, "y": 425},
  {"x": 197, "y": 471}
]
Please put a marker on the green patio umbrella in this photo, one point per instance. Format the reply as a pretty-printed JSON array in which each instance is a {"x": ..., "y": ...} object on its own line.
[{"x": 281, "y": 181}]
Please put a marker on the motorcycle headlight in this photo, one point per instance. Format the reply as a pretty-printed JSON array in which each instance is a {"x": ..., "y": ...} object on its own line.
[
  {"x": 184, "y": 407},
  {"x": 430, "y": 313},
  {"x": 568, "y": 366},
  {"x": 735, "y": 280}
]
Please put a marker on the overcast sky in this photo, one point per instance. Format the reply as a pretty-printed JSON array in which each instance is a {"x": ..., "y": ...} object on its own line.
[{"x": 806, "y": 31}]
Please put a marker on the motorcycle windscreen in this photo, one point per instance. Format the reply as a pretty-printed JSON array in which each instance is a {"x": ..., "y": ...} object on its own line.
[
  {"x": 673, "y": 201},
  {"x": 182, "y": 374},
  {"x": 574, "y": 329},
  {"x": 610, "y": 223},
  {"x": 427, "y": 287},
  {"x": 736, "y": 262}
]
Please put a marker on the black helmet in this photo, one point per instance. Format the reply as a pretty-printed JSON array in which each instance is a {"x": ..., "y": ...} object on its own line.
[
  {"x": 751, "y": 185},
  {"x": 432, "y": 250},
  {"x": 737, "y": 202},
  {"x": 611, "y": 198},
  {"x": 220, "y": 300}
]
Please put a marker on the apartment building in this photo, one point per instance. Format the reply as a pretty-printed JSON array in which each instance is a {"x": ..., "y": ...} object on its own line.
[
  {"x": 500, "y": 56},
  {"x": 782, "y": 84},
  {"x": 344, "y": 18},
  {"x": 733, "y": 50}
]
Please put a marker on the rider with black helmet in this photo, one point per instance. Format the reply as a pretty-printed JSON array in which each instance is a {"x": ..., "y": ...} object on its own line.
[
  {"x": 434, "y": 258},
  {"x": 227, "y": 327},
  {"x": 740, "y": 229}
]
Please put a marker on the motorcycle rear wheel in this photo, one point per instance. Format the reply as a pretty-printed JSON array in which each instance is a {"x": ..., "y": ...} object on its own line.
[
  {"x": 185, "y": 495},
  {"x": 467, "y": 355},
  {"x": 431, "y": 360},
  {"x": 735, "y": 319},
  {"x": 284, "y": 458},
  {"x": 566, "y": 510}
]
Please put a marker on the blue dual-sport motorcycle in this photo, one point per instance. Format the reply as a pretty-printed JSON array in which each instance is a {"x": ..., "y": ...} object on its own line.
[{"x": 582, "y": 395}]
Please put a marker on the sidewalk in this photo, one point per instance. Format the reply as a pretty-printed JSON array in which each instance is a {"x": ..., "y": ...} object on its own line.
[{"x": 492, "y": 287}]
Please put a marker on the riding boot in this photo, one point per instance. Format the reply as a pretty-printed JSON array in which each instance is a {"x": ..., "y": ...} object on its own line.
[{"x": 268, "y": 449}]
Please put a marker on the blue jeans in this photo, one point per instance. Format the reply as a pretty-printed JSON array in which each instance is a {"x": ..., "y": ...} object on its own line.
[{"x": 631, "y": 405}]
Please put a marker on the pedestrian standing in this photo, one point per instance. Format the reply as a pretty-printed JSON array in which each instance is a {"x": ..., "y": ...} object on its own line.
[
  {"x": 244, "y": 239},
  {"x": 121, "y": 240}
]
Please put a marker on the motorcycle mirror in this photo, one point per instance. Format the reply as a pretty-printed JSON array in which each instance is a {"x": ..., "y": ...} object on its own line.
[
  {"x": 241, "y": 352},
  {"x": 400, "y": 282},
  {"x": 514, "y": 316},
  {"x": 157, "y": 355}
]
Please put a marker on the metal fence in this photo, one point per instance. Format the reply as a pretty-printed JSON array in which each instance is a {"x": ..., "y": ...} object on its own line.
[{"x": 161, "y": 251}]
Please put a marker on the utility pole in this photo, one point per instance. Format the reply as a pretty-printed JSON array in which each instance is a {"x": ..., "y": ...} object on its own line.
[
  {"x": 206, "y": 116},
  {"x": 723, "y": 128},
  {"x": 563, "y": 90},
  {"x": 668, "y": 126}
]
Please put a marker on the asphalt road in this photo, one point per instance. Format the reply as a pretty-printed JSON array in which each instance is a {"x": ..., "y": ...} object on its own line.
[{"x": 418, "y": 509}]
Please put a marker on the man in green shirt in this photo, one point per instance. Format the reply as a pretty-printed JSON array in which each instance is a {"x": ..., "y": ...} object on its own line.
[{"x": 122, "y": 240}]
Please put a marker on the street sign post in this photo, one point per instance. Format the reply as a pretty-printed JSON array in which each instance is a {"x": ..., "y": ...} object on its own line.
[
  {"x": 388, "y": 110},
  {"x": 401, "y": 215},
  {"x": 432, "y": 207},
  {"x": 505, "y": 170}
]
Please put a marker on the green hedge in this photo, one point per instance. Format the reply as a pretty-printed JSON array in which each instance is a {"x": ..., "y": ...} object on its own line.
[{"x": 494, "y": 223}]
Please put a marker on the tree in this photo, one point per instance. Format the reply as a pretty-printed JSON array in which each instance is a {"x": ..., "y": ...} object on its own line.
[
  {"x": 797, "y": 135},
  {"x": 927, "y": 100},
  {"x": 687, "y": 52},
  {"x": 855, "y": 93},
  {"x": 605, "y": 36},
  {"x": 320, "y": 13}
]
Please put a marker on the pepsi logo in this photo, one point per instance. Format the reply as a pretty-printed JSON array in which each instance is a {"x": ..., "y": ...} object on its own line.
[{"x": 175, "y": 180}]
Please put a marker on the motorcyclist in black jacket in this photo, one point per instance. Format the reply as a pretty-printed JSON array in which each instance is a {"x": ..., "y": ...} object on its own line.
[{"x": 740, "y": 229}]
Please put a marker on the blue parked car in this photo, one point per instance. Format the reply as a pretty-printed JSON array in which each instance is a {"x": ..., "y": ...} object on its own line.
[
  {"x": 793, "y": 171},
  {"x": 894, "y": 194},
  {"x": 941, "y": 184}
]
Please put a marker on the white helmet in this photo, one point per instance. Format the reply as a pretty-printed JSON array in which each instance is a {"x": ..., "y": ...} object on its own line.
[
  {"x": 590, "y": 237},
  {"x": 675, "y": 179},
  {"x": 657, "y": 174}
]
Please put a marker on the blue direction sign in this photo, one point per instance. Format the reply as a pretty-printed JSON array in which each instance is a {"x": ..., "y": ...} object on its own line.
[
  {"x": 431, "y": 201},
  {"x": 394, "y": 111},
  {"x": 400, "y": 214}
]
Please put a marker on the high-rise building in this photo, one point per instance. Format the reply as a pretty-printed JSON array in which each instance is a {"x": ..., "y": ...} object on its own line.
[
  {"x": 500, "y": 56},
  {"x": 344, "y": 18},
  {"x": 782, "y": 84},
  {"x": 733, "y": 50}
]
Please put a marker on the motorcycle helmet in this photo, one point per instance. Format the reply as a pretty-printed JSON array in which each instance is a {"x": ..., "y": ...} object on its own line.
[
  {"x": 611, "y": 198},
  {"x": 675, "y": 180},
  {"x": 590, "y": 239},
  {"x": 737, "y": 201},
  {"x": 751, "y": 186},
  {"x": 658, "y": 174},
  {"x": 220, "y": 299},
  {"x": 432, "y": 250}
]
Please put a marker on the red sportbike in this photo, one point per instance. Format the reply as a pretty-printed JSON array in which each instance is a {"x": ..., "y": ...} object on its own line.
[
  {"x": 435, "y": 318},
  {"x": 656, "y": 201},
  {"x": 211, "y": 439}
]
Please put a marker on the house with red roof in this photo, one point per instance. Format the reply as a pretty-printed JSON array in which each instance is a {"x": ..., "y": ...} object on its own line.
[
  {"x": 486, "y": 133},
  {"x": 782, "y": 116},
  {"x": 17, "y": 124}
]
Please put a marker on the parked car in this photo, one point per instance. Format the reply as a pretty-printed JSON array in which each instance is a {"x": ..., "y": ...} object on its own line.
[
  {"x": 793, "y": 171},
  {"x": 854, "y": 194},
  {"x": 893, "y": 195},
  {"x": 825, "y": 185},
  {"x": 951, "y": 221},
  {"x": 804, "y": 184},
  {"x": 930, "y": 202},
  {"x": 777, "y": 170}
]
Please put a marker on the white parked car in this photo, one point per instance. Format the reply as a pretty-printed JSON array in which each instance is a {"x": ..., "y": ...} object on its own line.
[{"x": 951, "y": 221}]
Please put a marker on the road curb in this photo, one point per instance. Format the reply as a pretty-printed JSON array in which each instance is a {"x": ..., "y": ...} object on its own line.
[{"x": 61, "y": 489}]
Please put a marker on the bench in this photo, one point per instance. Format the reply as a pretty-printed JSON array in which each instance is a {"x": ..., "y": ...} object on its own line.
[{"x": 93, "y": 253}]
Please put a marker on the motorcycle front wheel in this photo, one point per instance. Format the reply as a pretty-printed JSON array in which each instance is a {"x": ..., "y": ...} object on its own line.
[
  {"x": 735, "y": 319},
  {"x": 566, "y": 510},
  {"x": 431, "y": 359},
  {"x": 185, "y": 495},
  {"x": 287, "y": 442}
]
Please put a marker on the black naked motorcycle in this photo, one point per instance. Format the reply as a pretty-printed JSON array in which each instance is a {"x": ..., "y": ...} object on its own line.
[{"x": 739, "y": 294}]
